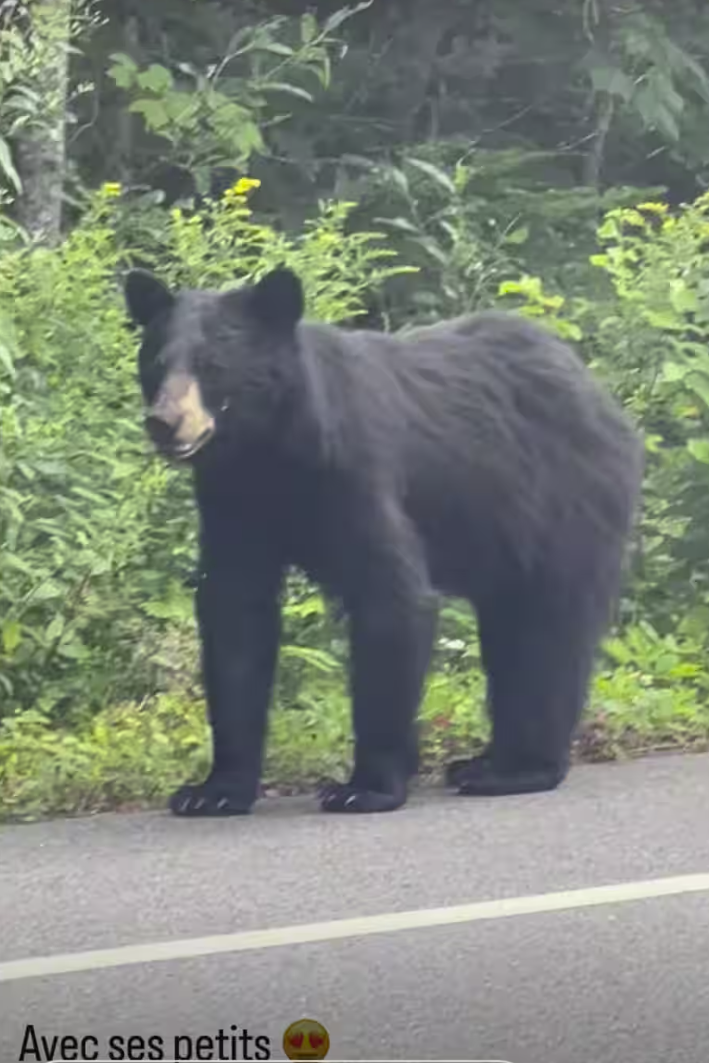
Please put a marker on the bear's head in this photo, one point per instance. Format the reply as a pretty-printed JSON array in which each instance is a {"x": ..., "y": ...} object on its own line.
[{"x": 213, "y": 363}]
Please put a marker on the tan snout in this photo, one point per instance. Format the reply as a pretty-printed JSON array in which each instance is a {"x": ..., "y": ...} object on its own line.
[{"x": 178, "y": 421}]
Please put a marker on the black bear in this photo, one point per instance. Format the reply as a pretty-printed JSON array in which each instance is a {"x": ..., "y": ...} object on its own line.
[{"x": 475, "y": 458}]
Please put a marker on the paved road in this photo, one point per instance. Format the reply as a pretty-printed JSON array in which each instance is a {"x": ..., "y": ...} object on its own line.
[{"x": 585, "y": 976}]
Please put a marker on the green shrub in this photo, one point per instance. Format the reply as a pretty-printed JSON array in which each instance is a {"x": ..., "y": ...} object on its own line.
[
  {"x": 651, "y": 693},
  {"x": 100, "y": 702},
  {"x": 97, "y": 535}
]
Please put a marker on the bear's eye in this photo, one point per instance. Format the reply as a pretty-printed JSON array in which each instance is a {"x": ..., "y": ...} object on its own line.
[
  {"x": 212, "y": 381},
  {"x": 151, "y": 374}
]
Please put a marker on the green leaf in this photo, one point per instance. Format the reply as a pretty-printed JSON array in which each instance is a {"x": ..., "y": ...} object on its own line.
[
  {"x": 664, "y": 319},
  {"x": 6, "y": 359},
  {"x": 343, "y": 14},
  {"x": 617, "y": 649},
  {"x": 399, "y": 178},
  {"x": 74, "y": 649},
  {"x": 156, "y": 78},
  {"x": 402, "y": 224},
  {"x": 654, "y": 112},
  {"x": 599, "y": 260},
  {"x": 182, "y": 109},
  {"x": 699, "y": 449},
  {"x": 7, "y": 166},
  {"x": 518, "y": 236},
  {"x": 284, "y": 86},
  {"x": 683, "y": 299},
  {"x": 325, "y": 72},
  {"x": 48, "y": 591},
  {"x": 613, "y": 81},
  {"x": 123, "y": 70},
  {"x": 247, "y": 139},
  {"x": 308, "y": 28},
  {"x": 672, "y": 372},
  {"x": 569, "y": 330},
  {"x": 100, "y": 566},
  {"x": 55, "y": 628},
  {"x": 273, "y": 46},
  {"x": 11, "y": 636},
  {"x": 8, "y": 560},
  {"x": 699, "y": 385},
  {"x": 437, "y": 175},
  {"x": 319, "y": 659},
  {"x": 153, "y": 111},
  {"x": 511, "y": 288},
  {"x": 432, "y": 248},
  {"x": 608, "y": 230}
]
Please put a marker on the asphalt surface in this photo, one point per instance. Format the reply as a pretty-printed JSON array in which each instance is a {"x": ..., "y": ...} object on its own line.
[{"x": 624, "y": 981}]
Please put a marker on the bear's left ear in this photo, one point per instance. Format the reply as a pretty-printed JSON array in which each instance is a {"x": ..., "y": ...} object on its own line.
[
  {"x": 277, "y": 300},
  {"x": 146, "y": 296}
]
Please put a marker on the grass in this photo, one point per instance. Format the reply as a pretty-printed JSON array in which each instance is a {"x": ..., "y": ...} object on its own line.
[{"x": 132, "y": 756}]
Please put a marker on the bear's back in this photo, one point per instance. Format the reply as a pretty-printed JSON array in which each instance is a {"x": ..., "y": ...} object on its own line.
[{"x": 483, "y": 424}]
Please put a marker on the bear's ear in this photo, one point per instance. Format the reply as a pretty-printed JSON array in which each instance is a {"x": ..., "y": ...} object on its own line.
[
  {"x": 277, "y": 300},
  {"x": 146, "y": 296}
]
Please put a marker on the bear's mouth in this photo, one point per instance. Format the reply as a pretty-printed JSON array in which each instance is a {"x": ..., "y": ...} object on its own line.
[{"x": 184, "y": 451}]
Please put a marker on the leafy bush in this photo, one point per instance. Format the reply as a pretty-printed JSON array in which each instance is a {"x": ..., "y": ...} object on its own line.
[
  {"x": 647, "y": 336},
  {"x": 137, "y": 753},
  {"x": 97, "y": 534},
  {"x": 87, "y": 541},
  {"x": 214, "y": 117},
  {"x": 651, "y": 694},
  {"x": 99, "y": 691}
]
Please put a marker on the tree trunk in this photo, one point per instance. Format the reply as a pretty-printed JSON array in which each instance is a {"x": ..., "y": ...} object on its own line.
[
  {"x": 593, "y": 163},
  {"x": 122, "y": 154},
  {"x": 41, "y": 147}
]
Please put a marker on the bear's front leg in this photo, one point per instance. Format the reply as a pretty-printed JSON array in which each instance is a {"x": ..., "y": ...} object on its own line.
[
  {"x": 238, "y": 613},
  {"x": 392, "y": 629}
]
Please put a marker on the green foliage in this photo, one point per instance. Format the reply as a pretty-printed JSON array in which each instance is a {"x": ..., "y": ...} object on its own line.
[
  {"x": 647, "y": 336},
  {"x": 129, "y": 753},
  {"x": 499, "y": 178},
  {"x": 656, "y": 261},
  {"x": 214, "y": 117},
  {"x": 652, "y": 694},
  {"x": 542, "y": 307},
  {"x": 32, "y": 40},
  {"x": 97, "y": 536},
  {"x": 85, "y": 540},
  {"x": 635, "y": 60},
  {"x": 475, "y": 219},
  {"x": 223, "y": 243}
]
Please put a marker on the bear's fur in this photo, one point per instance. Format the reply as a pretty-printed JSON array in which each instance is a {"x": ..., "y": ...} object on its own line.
[{"x": 476, "y": 458}]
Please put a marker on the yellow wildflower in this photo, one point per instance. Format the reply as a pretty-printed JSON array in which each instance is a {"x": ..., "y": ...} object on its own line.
[
  {"x": 653, "y": 208},
  {"x": 242, "y": 186},
  {"x": 111, "y": 189}
]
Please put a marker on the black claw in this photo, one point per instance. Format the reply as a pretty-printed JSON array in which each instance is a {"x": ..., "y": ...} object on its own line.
[
  {"x": 209, "y": 799},
  {"x": 341, "y": 797},
  {"x": 479, "y": 777}
]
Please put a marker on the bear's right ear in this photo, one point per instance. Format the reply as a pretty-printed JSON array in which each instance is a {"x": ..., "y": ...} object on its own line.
[{"x": 146, "y": 296}]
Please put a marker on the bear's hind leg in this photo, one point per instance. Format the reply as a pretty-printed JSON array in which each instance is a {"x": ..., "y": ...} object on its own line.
[{"x": 539, "y": 662}]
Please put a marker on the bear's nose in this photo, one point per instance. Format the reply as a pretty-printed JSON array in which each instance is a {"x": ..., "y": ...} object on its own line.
[{"x": 161, "y": 429}]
